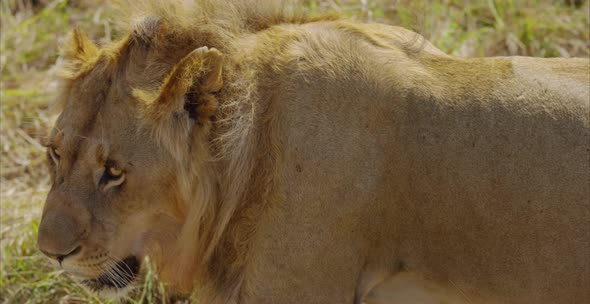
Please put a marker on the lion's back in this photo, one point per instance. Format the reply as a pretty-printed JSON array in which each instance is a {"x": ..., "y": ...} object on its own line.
[{"x": 459, "y": 168}]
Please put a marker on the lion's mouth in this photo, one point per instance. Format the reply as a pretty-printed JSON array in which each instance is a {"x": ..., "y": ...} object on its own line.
[{"x": 119, "y": 276}]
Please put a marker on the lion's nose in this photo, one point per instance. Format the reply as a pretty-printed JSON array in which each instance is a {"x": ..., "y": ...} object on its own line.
[{"x": 59, "y": 235}]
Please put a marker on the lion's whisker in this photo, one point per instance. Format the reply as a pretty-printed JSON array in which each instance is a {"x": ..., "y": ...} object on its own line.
[
  {"x": 116, "y": 274},
  {"x": 122, "y": 273}
]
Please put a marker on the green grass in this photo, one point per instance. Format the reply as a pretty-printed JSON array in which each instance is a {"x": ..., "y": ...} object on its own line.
[{"x": 30, "y": 36}]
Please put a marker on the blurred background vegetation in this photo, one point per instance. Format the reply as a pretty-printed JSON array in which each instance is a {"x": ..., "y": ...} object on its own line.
[{"x": 31, "y": 32}]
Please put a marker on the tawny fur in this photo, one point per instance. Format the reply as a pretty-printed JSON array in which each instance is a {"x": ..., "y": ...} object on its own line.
[{"x": 325, "y": 158}]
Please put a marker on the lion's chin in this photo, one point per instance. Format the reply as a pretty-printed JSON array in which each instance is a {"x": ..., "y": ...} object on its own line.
[{"x": 117, "y": 281}]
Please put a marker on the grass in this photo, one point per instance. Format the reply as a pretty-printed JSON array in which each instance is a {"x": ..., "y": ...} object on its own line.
[{"x": 32, "y": 31}]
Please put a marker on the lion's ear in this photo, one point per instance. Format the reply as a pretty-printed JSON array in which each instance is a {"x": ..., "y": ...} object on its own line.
[
  {"x": 187, "y": 90},
  {"x": 78, "y": 51},
  {"x": 184, "y": 100},
  {"x": 188, "y": 87}
]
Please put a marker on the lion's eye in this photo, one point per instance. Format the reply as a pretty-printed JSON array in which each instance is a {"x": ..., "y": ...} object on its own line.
[
  {"x": 114, "y": 171},
  {"x": 54, "y": 154},
  {"x": 113, "y": 176}
]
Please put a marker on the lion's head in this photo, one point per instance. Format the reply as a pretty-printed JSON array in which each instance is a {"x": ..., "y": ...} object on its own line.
[{"x": 128, "y": 156}]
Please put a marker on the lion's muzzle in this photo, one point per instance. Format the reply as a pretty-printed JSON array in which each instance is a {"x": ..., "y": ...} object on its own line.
[
  {"x": 63, "y": 228},
  {"x": 59, "y": 236}
]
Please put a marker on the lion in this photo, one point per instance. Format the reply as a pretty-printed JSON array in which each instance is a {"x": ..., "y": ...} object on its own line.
[{"x": 258, "y": 155}]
